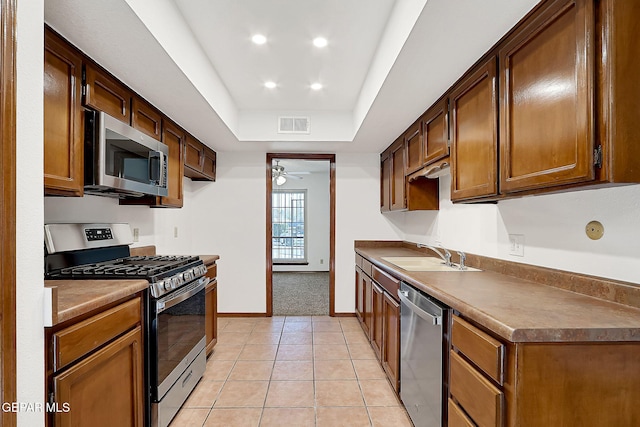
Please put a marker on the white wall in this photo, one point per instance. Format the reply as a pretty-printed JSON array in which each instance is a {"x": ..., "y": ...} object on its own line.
[
  {"x": 318, "y": 219},
  {"x": 553, "y": 226},
  {"x": 29, "y": 166},
  {"x": 227, "y": 218}
]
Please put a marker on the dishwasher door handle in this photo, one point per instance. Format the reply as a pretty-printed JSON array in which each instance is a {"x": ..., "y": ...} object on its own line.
[{"x": 434, "y": 320}]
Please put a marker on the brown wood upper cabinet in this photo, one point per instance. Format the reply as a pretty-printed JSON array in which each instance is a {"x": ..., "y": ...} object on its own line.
[
  {"x": 385, "y": 182},
  {"x": 63, "y": 118},
  {"x": 146, "y": 118},
  {"x": 474, "y": 134},
  {"x": 414, "y": 148},
  {"x": 104, "y": 92},
  {"x": 199, "y": 160},
  {"x": 396, "y": 192},
  {"x": 570, "y": 97},
  {"x": 547, "y": 94},
  {"x": 435, "y": 132},
  {"x": 558, "y": 111}
]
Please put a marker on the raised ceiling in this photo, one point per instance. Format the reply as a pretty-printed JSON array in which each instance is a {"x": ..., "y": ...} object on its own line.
[{"x": 384, "y": 64}]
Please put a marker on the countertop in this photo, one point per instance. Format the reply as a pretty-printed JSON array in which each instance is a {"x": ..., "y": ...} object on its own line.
[
  {"x": 518, "y": 310},
  {"x": 209, "y": 259},
  {"x": 72, "y": 298}
]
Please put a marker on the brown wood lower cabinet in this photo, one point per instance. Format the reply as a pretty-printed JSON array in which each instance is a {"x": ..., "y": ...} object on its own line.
[
  {"x": 95, "y": 369},
  {"x": 211, "y": 308},
  {"x": 545, "y": 384},
  {"x": 377, "y": 298},
  {"x": 379, "y": 314},
  {"x": 391, "y": 340},
  {"x": 106, "y": 388}
]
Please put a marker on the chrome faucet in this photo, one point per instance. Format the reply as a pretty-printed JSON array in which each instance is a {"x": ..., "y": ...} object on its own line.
[
  {"x": 463, "y": 258},
  {"x": 446, "y": 257}
]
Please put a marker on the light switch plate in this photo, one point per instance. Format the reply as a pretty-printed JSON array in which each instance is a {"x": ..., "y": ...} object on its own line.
[{"x": 516, "y": 244}]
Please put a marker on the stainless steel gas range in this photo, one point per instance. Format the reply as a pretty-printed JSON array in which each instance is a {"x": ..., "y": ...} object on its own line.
[{"x": 175, "y": 314}]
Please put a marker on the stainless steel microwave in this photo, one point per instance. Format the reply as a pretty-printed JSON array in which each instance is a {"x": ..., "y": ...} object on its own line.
[{"x": 121, "y": 161}]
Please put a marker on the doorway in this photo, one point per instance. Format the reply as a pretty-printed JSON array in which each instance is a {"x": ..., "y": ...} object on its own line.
[{"x": 289, "y": 246}]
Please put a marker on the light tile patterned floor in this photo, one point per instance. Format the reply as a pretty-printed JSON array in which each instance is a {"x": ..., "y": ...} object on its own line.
[{"x": 292, "y": 371}]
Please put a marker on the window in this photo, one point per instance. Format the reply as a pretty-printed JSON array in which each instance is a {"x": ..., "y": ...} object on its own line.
[{"x": 289, "y": 226}]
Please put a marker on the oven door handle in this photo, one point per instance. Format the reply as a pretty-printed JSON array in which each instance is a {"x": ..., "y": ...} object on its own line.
[{"x": 165, "y": 303}]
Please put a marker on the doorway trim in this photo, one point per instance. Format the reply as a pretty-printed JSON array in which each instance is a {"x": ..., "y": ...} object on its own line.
[
  {"x": 332, "y": 224},
  {"x": 8, "y": 209}
]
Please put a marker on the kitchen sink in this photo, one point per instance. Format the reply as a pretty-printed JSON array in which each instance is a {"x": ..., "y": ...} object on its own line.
[{"x": 423, "y": 263}]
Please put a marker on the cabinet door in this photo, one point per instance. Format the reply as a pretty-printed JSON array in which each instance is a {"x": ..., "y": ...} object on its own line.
[
  {"x": 413, "y": 148},
  {"x": 435, "y": 132},
  {"x": 398, "y": 198},
  {"x": 193, "y": 154},
  {"x": 63, "y": 118},
  {"x": 211, "y": 309},
  {"x": 359, "y": 295},
  {"x": 105, "y": 389},
  {"x": 391, "y": 340},
  {"x": 209, "y": 163},
  {"x": 377, "y": 322},
  {"x": 367, "y": 312},
  {"x": 146, "y": 118},
  {"x": 385, "y": 182},
  {"x": 474, "y": 133},
  {"x": 105, "y": 93},
  {"x": 174, "y": 137},
  {"x": 546, "y": 89}
]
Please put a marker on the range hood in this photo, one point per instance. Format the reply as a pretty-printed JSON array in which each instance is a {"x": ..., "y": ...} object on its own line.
[{"x": 432, "y": 171}]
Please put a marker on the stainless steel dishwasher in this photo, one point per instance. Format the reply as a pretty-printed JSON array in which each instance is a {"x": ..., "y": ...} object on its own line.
[{"x": 423, "y": 342}]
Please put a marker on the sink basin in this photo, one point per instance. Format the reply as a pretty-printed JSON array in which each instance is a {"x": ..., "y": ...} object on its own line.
[{"x": 423, "y": 263}]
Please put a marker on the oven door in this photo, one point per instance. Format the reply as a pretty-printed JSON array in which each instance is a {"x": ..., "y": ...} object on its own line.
[{"x": 176, "y": 334}]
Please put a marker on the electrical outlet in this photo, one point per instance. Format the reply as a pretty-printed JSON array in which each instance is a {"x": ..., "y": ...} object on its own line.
[
  {"x": 516, "y": 244},
  {"x": 321, "y": 261},
  {"x": 136, "y": 234},
  {"x": 175, "y": 232}
]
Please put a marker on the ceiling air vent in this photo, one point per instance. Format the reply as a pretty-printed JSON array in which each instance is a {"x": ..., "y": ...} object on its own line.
[{"x": 293, "y": 124}]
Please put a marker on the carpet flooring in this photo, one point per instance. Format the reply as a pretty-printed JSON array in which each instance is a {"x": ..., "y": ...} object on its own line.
[{"x": 301, "y": 294}]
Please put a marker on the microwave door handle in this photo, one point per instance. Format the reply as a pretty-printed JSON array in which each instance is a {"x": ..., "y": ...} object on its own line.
[
  {"x": 162, "y": 178},
  {"x": 155, "y": 158}
]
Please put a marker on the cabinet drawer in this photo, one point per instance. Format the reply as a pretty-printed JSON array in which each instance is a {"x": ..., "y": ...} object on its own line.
[
  {"x": 483, "y": 350},
  {"x": 75, "y": 341},
  {"x": 359, "y": 260},
  {"x": 390, "y": 284},
  {"x": 212, "y": 271},
  {"x": 457, "y": 417},
  {"x": 480, "y": 399},
  {"x": 367, "y": 267}
]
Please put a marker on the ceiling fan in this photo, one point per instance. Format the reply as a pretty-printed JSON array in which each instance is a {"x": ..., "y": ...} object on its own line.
[{"x": 279, "y": 176}]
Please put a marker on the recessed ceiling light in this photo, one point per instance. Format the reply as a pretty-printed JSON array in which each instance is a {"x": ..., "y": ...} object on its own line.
[
  {"x": 320, "y": 42},
  {"x": 316, "y": 86},
  {"x": 270, "y": 85},
  {"x": 259, "y": 39}
]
